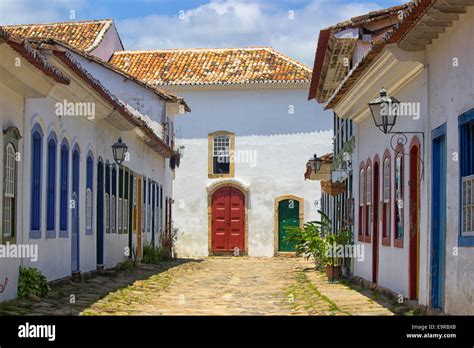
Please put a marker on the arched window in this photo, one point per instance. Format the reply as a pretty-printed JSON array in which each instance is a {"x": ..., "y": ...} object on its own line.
[
  {"x": 399, "y": 198},
  {"x": 64, "y": 187},
  {"x": 36, "y": 181},
  {"x": 89, "y": 194},
  {"x": 361, "y": 203},
  {"x": 113, "y": 201},
  {"x": 51, "y": 188},
  {"x": 148, "y": 208},
  {"x": 120, "y": 200},
  {"x": 126, "y": 200},
  {"x": 107, "y": 198},
  {"x": 221, "y": 152},
  {"x": 9, "y": 193},
  {"x": 144, "y": 181},
  {"x": 368, "y": 203},
  {"x": 161, "y": 208},
  {"x": 386, "y": 198}
]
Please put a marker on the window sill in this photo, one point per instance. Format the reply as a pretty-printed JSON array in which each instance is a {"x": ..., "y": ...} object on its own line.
[
  {"x": 50, "y": 234},
  {"x": 35, "y": 234},
  {"x": 89, "y": 232},
  {"x": 466, "y": 241},
  {"x": 367, "y": 239},
  {"x": 63, "y": 234},
  {"x": 360, "y": 238},
  {"x": 398, "y": 243},
  {"x": 386, "y": 241},
  {"x": 10, "y": 240},
  {"x": 219, "y": 176}
]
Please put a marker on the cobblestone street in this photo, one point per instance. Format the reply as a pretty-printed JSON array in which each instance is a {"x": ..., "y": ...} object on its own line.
[{"x": 212, "y": 286}]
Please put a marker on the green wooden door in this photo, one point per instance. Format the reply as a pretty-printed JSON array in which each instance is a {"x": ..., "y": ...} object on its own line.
[{"x": 288, "y": 215}]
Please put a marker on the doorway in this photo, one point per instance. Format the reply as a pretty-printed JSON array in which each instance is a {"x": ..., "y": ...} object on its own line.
[
  {"x": 75, "y": 211},
  {"x": 100, "y": 214},
  {"x": 228, "y": 220},
  {"x": 375, "y": 222},
  {"x": 438, "y": 217},
  {"x": 414, "y": 240}
]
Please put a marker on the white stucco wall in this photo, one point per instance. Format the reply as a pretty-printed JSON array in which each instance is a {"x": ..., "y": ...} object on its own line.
[
  {"x": 278, "y": 170},
  {"x": 11, "y": 114},
  {"x": 393, "y": 262},
  {"x": 451, "y": 94},
  {"x": 278, "y": 143},
  {"x": 110, "y": 43}
]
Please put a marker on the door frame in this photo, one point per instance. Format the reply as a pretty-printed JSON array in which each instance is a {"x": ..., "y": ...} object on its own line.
[
  {"x": 437, "y": 293},
  {"x": 375, "y": 218},
  {"x": 75, "y": 214},
  {"x": 414, "y": 208},
  {"x": 100, "y": 212},
  {"x": 276, "y": 220},
  {"x": 211, "y": 189}
]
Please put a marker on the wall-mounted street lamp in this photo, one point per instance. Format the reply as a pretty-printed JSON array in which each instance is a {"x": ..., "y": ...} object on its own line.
[
  {"x": 315, "y": 163},
  {"x": 385, "y": 110},
  {"x": 119, "y": 149}
]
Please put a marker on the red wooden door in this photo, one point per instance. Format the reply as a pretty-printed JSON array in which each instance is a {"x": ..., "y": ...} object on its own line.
[
  {"x": 228, "y": 220},
  {"x": 375, "y": 232},
  {"x": 414, "y": 224}
]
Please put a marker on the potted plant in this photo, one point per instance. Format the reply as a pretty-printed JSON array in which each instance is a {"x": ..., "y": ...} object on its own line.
[
  {"x": 311, "y": 240},
  {"x": 315, "y": 240}
]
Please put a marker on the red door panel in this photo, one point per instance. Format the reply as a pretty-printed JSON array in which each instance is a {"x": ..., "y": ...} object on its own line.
[
  {"x": 236, "y": 223},
  {"x": 228, "y": 217}
]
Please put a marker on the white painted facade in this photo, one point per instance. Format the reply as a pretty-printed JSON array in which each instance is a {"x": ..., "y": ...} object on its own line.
[
  {"x": 444, "y": 92},
  {"x": 38, "y": 107},
  {"x": 272, "y": 146},
  {"x": 451, "y": 95}
]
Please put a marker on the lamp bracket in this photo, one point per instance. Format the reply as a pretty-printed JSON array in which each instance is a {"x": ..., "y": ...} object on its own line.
[{"x": 400, "y": 138}]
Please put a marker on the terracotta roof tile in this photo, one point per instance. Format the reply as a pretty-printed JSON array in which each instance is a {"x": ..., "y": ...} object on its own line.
[
  {"x": 211, "y": 66},
  {"x": 83, "y": 35},
  {"x": 33, "y": 56}
]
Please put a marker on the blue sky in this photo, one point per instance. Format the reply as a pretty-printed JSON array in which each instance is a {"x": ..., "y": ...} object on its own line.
[{"x": 154, "y": 24}]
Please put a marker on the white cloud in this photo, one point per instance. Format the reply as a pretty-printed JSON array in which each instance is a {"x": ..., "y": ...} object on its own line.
[
  {"x": 218, "y": 23},
  {"x": 241, "y": 23},
  {"x": 38, "y": 11}
]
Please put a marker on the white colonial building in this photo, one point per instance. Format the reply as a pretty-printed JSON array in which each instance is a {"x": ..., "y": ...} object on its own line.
[
  {"x": 64, "y": 195},
  {"x": 413, "y": 191},
  {"x": 250, "y": 132}
]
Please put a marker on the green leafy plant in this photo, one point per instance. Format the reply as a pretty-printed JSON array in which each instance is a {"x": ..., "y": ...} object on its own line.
[
  {"x": 311, "y": 241},
  {"x": 316, "y": 240},
  {"x": 32, "y": 281},
  {"x": 154, "y": 255}
]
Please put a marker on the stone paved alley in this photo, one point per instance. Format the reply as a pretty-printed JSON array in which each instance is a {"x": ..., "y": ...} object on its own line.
[{"x": 212, "y": 286}]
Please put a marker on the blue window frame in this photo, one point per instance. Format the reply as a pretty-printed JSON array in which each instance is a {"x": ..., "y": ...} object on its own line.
[
  {"x": 64, "y": 189},
  {"x": 113, "y": 201},
  {"x": 51, "y": 188},
  {"x": 161, "y": 207},
  {"x": 466, "y": 178},
  {"x": 89, "y": 192},
  {"x": 36, "y": 180}
]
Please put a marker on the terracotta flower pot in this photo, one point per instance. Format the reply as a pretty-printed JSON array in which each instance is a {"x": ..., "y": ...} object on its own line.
[{"x": 334, "y": 272}]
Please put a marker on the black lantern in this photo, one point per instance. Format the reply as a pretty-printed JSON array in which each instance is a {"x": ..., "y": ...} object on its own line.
[
  {"x": 315, "y": 163},
  {"x": 119, "y": 150},
  {"x": 384, "y": 111}
]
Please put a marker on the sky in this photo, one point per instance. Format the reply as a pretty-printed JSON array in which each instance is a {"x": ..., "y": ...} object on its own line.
[{"x": 289, "y": 26}]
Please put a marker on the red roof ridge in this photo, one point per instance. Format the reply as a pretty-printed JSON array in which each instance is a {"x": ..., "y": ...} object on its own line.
[{"x": 198, "y": 49}]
